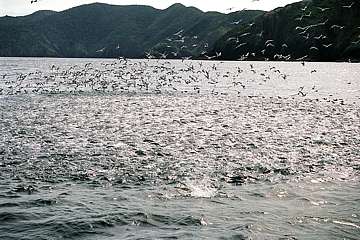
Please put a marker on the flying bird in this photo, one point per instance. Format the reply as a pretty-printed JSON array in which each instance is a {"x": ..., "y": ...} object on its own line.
[
  {"x": 245, "y": 34},
  {"x": 327, "y": 46},
  {"x": 236, "y": 22},
  {"x": 314, "y": 48},
  {"x": 301, "y": 92},
  {"x": 337, "y": 27},
  {"x": 349, "y": 6},
  {"x": 240, "y": 45},
  {"x": 299, "y": 18},
  {"x": 323, "y": 9},
  {"x": 302, "y": 58},
  {"x": 179, "y": 33},
  {"x": 304, "y": 9},
  {"x": 101, "y": 50},
  {"x": 269, "y": 41}
]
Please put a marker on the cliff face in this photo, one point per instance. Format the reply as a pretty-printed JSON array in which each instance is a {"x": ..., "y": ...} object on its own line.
[
  {"x": 101, "y": 30},
  {"x": 318, "y": 30}
]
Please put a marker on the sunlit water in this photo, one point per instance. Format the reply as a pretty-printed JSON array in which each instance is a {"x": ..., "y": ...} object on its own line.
[{"x": 149, "y": 149}]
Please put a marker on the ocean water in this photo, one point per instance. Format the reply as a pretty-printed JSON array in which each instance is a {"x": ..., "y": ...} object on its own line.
[{"x": 158, "y": 149}]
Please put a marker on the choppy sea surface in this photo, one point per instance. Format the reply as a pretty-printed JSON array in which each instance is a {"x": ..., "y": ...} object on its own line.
[{"x": 160, "y": 149}]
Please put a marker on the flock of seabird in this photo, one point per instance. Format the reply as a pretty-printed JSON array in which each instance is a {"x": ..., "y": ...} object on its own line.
[
  {"x": 178, "y": 44},
  {"x": 132, "y": 76},
  {"x": 315, "y": 42},
  {"x": 153, "y": 76},
  {"x": 179, "y": 41},
  {"x": 158, "y": 76}
]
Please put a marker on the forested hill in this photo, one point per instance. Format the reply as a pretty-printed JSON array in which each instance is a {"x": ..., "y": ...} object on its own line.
[
  {"x": 317, "y": 30},
  {"x": 102, "y": 30}
]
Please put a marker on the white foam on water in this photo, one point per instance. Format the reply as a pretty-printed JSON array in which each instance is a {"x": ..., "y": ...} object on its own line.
[
  {"x": 201, "y": 188},
  {"x": 346, "y": 223}
]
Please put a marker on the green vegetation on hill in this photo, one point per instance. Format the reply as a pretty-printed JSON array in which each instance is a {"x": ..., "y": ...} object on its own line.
[
  {"x": 318, "y": 30},
  {"x": 101, "y": 30}
]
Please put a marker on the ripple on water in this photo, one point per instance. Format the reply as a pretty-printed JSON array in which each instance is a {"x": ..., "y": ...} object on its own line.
[{"x": 130, "y": 166}]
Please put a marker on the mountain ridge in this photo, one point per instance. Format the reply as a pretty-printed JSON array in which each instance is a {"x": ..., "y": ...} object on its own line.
[
  {"x": 317, "y": 30},
  {"x": 103, "y": 30}
]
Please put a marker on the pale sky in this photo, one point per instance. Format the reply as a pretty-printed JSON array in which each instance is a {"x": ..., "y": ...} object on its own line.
[{"x": 24, "y": 7}]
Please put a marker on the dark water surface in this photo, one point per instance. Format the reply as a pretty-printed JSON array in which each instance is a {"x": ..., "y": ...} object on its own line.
[{"x": 178, "y": 150}]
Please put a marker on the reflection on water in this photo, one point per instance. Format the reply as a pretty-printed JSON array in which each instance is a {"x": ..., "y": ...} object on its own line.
[{"x": 97, "y": 155}]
